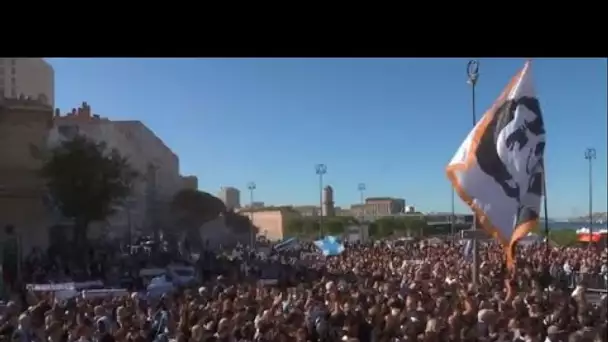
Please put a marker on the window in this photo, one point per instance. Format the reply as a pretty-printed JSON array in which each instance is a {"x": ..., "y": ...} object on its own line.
[
  {"x": 13, "y": 81},
  {"x": 13, "y": 62},
  {"x": 13, "y": 92},
  {"x": 13, "y": 71}
]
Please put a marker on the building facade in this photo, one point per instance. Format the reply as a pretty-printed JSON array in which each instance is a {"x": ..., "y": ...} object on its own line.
[
  {"x": 307, "y": 210},
  {"x": 158, "y": 160},
  {"x": 231, "y": 197},
  {"x": 158, "y": 167},
  {"x": 378, "y": 207},
  {"x": 271, "y": 222},
  {"x": 31, "y": 78},
  {"x": 24, "y": 128},
  {"x": 255, "y": 205},
  {"x": 189, "y": 182},
  {"x": 328, "y": 202}
]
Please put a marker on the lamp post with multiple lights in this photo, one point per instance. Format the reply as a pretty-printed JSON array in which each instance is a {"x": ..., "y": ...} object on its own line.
[
  {"x": 472, "y": 78},
  {"x": 590, "y": 156}
]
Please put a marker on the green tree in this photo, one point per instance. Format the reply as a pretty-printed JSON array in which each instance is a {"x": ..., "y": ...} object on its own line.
[
  {"x": 334, "y": 226},
  {"x": 373, "y": 230},
  {"x": 294, "y": 226},
  {"x": 239, "y": 223},
  {"x": 386, "y": 226},
  {"x": 310, "y": 227},
  {"x": 416, "y": 225},
  {"x": 192, "y": 208},
  {"x": 87, "y": 181}
]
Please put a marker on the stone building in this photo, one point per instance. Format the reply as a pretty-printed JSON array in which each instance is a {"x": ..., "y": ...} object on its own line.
[{"x": 24, "y": 127}]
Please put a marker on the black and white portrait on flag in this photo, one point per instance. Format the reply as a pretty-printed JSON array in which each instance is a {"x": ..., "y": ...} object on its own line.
[
  {"x": 511, "y": 151},
  {"x": 498, "y": 169}
]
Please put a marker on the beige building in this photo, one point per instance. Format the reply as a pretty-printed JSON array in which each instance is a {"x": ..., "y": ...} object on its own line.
[
  {"x": 328, "y": 202},
  {"x": 270, "y": 221},
  {"x": 156, "y": 164},
  {"x": 307, "y": 210},
  {"x": 378, "y": 207},
  {"x": 24, "y": 126},
  {"x": 28, "y": 77},
  {"x": 162, "y": 162},
  {"x": 189, "y": 182},
  {"x": 231, "y": 197},
  {"x": 254, "y": 205}
]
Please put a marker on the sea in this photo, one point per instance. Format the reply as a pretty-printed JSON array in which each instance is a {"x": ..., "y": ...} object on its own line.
[{"x": 572, "y": 225}]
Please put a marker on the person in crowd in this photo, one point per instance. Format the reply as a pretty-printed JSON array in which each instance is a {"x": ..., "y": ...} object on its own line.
[{"x": 368, "y": 293}]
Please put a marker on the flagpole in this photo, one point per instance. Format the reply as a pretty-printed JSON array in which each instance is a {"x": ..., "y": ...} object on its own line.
[{"x": 473, "y": 77}]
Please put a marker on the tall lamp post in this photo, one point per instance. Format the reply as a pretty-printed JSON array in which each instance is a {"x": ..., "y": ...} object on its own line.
[
  {"x": 251, "y": 186},
  {"x": 472, "y": 78},
  {"x": 361, "y": 188},
  {"x": 590, "y": 156},
  {"x": 452, "y": 216},
  {"x": 321, "y": 169}
]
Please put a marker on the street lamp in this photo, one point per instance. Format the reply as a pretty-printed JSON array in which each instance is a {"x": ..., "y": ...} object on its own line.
[
  {"x": 472, "y": 78},
  {"x": 320, "y": 170},
  {"x": 452, "y": 217},
  {"x": 361, "y": 188},
  {"x": 590, "y": 156},
  {"x": 251, "y": 186}
]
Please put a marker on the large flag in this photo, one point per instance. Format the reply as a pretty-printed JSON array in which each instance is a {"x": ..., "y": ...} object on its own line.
[
  {"x": 291, "y": 243},
  {"x": 329, "y": 246},
  {"x": 498, "y": 170}
]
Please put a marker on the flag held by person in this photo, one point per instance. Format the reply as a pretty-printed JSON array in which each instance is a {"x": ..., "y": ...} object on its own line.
[
  {"x": 498, "y": 169},
  {"x": 291, "y": 243}
]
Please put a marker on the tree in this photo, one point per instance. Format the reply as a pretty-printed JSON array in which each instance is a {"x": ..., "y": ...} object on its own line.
[
  {"x": 386, "y": 226},
  {"x": 334, "y": 226},
  {"x": 239, "y": 223},
  {"x": 294, "y": 227},
  {"x": 193, "y": 208},
  {"x": 87, "y": 181},
  {"x": 417, "y": 225}
]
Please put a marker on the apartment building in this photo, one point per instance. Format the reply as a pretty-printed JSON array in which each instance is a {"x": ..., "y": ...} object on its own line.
[
  {"x": 31, "y": 78},
  {"x": 24, "y": 126},
  {"x": 156, "y": 164},
  {"x": 307, "y": 210},
  {"x": 189, "y": 182},
  {"x": 378, "y": 207},
  {"x": 254, "y": 205},
  {"x": 231, "y": 197}
]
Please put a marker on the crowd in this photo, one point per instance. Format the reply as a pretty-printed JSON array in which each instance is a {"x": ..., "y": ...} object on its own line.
[{"x": 370, "y": 293}]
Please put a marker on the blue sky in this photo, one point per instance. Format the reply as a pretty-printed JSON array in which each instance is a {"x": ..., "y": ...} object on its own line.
[{"x": 392, "y": 124}]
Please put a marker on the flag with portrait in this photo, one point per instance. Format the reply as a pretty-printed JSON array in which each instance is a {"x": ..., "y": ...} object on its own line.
[{"x": 498, "y": 169}]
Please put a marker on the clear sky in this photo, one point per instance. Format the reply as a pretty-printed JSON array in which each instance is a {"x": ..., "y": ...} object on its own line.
[{"x": 392, "y": 124}]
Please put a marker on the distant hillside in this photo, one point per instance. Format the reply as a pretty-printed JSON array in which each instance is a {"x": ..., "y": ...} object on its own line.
[{"x": 600, "y": 216}]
